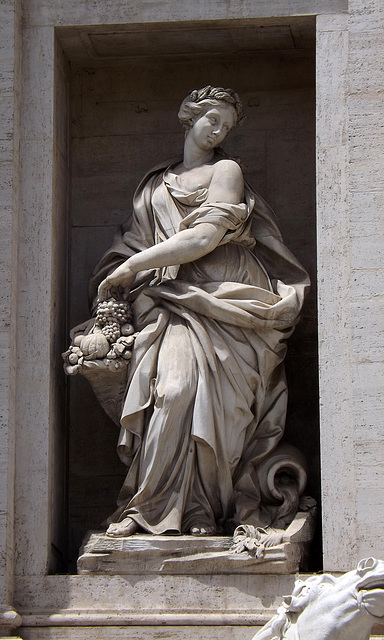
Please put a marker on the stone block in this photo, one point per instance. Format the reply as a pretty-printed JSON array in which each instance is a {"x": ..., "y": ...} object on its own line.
[
  {"x": 332, "y": 54},
  {"x": 367, "y": 16},
  {"x": 38, "y": 83},
  {"x": 366, "y": 141},
  {"x": 368, "y": 380},
  {"x": 6, "y": 192},
  {"x": 335, "y": 380},
  {"x": 368, "y": 347},
  {"x": 7, "y": 123},
  {"x": 370, "y": 507},
  {"x": 368, "y": 460},
  {"x": 365, "y": 213},
  {"x": 362, "y": 74},
  {"x": 133, "y": 632},
  {"x": 328, "y": 22},
  {"x": 366, "y": 284},
  {"x": 112, "y": 13},
  {"x": 180, "y": 555}
]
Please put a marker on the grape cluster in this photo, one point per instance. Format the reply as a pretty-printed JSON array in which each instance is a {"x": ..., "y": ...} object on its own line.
[
  {"x": 111, "y": 330},
  {"x": 110, "y": 316}
]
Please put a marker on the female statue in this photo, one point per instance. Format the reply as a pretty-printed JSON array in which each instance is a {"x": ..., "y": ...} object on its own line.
[{"x": 215, "y": 294}]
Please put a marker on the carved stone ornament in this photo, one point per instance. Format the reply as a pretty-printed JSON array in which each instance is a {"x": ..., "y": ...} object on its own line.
[
  {"x": 100, "y": 350},
  {"x": 327, "y": 608},
  {"x": 193, "y": 305}
]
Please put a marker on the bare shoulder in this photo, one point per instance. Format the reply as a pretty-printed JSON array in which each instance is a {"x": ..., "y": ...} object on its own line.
[
  {"x": 227, "y": 184},
  {"x": 228, "y": 168}
]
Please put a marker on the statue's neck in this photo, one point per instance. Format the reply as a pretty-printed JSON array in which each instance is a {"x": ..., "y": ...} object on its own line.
[{"x": 194, "y": 156}]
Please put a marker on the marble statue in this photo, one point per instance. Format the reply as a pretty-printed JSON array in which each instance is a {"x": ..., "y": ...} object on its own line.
[
  {"x": 327, "y": 608},
  {"x": 193, "y": 305}
]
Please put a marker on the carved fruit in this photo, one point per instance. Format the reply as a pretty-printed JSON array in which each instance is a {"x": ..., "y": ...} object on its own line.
[
  {"x": 127, "y": 341},
  {"x": 119, "y": 348},
  {"x": 71, "y": 370},
  {"x": 78, "y": 340},
  {"x": 94, "y": 346},
  {"x": 127, "y": 330}
]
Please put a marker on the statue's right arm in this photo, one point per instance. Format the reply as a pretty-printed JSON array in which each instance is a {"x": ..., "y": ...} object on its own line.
[
  {"x": 185, "y": 246},
  {"x": 188, "y": 245}
]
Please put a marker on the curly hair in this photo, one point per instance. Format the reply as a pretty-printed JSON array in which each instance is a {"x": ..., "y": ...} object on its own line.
[{"x": 198, "y": 101}]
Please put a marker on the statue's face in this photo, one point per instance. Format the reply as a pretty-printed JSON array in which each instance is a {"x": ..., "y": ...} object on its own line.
[{"x": 210, "y": 129}]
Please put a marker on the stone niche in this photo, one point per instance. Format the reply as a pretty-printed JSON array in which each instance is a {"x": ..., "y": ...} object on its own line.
[{"x": 125, "y": 84}]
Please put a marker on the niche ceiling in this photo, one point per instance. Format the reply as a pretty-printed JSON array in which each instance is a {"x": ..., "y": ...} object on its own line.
[{"x": 236, "y": 37}]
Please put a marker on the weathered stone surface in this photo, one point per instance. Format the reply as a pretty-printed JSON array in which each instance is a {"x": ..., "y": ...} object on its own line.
[
  {"x": 144, "y": 554},
  {"x": 365, "y": 104},
  {"x": 140, "y": 605},
  {"x": 10, "y": 85},
  {"x": 350, "y": 359},
  {"x": 128, "y": 12},
  {"x": 222, "y": 632}
]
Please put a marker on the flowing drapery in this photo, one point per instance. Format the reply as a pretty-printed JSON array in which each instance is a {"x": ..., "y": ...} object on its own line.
[{"x": 206, "y": 395}]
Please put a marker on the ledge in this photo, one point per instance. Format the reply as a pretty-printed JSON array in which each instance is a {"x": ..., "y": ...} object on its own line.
[
  {"x": 9, "y": 620},
  {"x": 120, "y": 618}
]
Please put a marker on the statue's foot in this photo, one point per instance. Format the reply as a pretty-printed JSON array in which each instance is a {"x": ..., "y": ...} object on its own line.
[
  {"x": 202, "y": 530},
  {"x": 126, "y": 527}
]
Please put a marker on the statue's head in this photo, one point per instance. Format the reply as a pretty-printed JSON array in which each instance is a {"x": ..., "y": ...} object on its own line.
[
  {"x": 199, "y": 101},
  {"x": 327, "y": 604}
]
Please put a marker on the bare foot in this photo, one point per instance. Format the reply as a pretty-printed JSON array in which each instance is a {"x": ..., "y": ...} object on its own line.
[
  {"x": 126, "y": 527},
  {"x": 202, "y": 530}
]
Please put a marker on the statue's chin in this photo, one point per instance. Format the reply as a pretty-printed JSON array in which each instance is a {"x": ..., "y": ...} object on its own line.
[{"x": 373, "y": 602}]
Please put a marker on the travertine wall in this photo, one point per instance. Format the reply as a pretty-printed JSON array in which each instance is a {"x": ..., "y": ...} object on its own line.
[
  {"x": 365, "y": 89},
  {"x": 350, "y": 238},
  {"x": 335, "y": 374},
  {"x": 10, "y": 78}
]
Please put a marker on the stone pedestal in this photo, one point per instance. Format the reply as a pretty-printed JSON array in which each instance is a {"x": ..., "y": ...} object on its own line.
[{"x": 143, "y": 554}]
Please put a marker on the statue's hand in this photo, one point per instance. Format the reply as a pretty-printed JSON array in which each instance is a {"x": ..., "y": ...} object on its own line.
[{"x": 112, "y": 286}]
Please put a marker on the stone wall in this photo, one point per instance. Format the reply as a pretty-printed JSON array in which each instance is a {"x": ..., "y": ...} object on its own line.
[
  {"x": 349, "y": 145},
  {"x": 366, "y": 205},
  {"x": 350, "y": 70},
  {"x": 10, "y": 79}
]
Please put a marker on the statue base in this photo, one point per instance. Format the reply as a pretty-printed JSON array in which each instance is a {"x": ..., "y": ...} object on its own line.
[{"x": 149, "y": 554}]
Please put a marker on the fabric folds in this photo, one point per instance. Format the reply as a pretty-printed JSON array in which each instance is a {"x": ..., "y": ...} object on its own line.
[{"x": 206, "y": 396}]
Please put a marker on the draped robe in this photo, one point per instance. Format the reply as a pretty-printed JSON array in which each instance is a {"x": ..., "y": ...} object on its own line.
[{"x": 206, "y": 395}]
